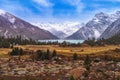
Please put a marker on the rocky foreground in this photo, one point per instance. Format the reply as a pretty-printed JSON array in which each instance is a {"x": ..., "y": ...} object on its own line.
[{"x": 53, "y": 70}]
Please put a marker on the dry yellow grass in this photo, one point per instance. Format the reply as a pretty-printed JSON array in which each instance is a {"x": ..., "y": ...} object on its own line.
[
  {"x": 4, "y": 52},
  {"x": 70, "y": 50}
]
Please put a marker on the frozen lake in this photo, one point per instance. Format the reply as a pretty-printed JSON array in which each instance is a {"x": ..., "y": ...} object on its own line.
[{"x": 60, "y": 41}]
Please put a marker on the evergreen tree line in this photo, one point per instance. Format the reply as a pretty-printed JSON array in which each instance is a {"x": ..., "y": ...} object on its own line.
[
  {"x": 63, "y": 44},
  {"x": 114, "y": 40},
  {"x": 94, "y": 42},
  {"x": 10, "y": 41}
]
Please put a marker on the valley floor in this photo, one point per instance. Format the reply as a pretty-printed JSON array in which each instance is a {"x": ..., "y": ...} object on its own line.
[{"x": 105, "y": 64}]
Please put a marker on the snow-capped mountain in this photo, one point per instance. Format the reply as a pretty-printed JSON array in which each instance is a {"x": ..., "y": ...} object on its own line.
[
  {"x": 60, "y": 30},
  {"x": 95, "y": 27},
  {"x": 11, "y": 26}
]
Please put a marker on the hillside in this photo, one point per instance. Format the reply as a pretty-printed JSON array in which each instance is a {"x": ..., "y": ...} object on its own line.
[{"x": 11, "y": 26}]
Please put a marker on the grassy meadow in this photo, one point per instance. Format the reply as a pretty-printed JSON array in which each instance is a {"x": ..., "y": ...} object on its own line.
[{"x": 68, "y": 51}]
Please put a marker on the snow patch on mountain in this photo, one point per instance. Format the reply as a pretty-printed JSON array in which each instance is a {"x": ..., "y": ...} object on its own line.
[
  {"x": 96, "y": 33},
  {"x": 14, "y": 26},
  {"x": 5, "y": 34},
  {"x": 96, "y": 20},
  {"x": 12, "y": 19}
]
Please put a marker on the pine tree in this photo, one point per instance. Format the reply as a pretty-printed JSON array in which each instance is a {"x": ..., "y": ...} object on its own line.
[
  {"x": 21, "y": 51},
  {"x": 54, "y": 54},
  {"x": 75, "y": 56},
  {"x": 47, "y": 54},
  {"x": 43, "y": 56},
  {"x": 39, "y": 54},
  {"x": 87, "y": 62},
  {"x": 16, "y": 51}
]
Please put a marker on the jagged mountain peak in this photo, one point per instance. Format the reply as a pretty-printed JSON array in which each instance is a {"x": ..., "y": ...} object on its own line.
[
  {"x": 8, "y": 16},
  {"x": 101, "y": 15}
]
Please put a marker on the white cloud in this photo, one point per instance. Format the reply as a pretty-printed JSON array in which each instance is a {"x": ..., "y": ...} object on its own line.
[
  {"x": 45, "y": 7},
  {"x": 77, "y": 3},
  {"x": 44, "y": 3}
]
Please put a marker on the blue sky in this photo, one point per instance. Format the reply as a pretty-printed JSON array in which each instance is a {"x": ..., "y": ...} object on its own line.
[{"x": 58, "y": 10}]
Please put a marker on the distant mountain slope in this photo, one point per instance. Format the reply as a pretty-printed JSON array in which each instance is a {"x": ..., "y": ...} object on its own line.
[
  {"x": 112, "y": 30},
  {"x": 11, "y": 26},
  {"x": 60, "y": 30},
  {"x": 95, "y": 27}
]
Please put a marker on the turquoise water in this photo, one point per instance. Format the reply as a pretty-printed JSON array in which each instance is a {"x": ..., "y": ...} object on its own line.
[{"x": 60, "y": 41}]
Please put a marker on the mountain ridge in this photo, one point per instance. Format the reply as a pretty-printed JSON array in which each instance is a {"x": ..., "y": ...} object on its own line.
[
  {"x": 95, "y": 27},
  {"x": 11, "y": 25}
]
